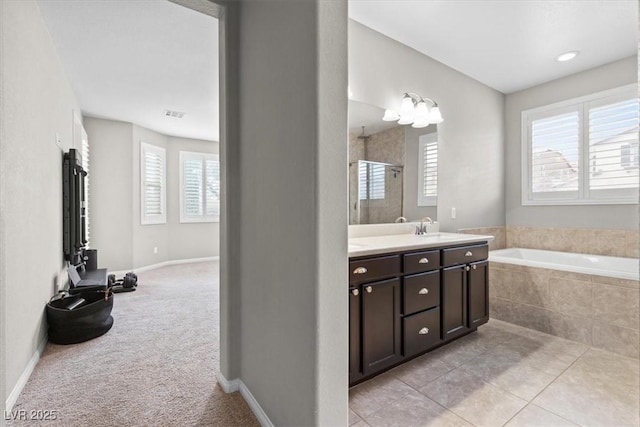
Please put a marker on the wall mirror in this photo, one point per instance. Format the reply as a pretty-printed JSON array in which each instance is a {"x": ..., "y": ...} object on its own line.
[{"x": 393, "y": 169}]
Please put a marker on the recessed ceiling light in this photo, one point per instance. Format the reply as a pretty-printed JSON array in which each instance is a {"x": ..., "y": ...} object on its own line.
[
  {"x": 567, "y": 56},
  {"x": 174, "y": 114}
]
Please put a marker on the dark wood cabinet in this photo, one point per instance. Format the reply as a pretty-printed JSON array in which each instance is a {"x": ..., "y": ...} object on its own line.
[
  {"x": 478, "y": 293},
  {"x": 454, "y": 302},
  {"x": 404, "y": 304},
  {"x": 355, "y": 369},
  {"x": 380, "y": 325}
]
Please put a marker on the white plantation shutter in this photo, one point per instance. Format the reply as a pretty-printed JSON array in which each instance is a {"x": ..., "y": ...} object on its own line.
[
  {"x": 87, "y": 189},
  {"x": 199, "y": 187},
  {"x": 582, "y": 151},
  {"x": 613, "y": 146},
  {"x": 428, "y": 170},
  {"x": 153, "y": 191},
  {"x": 555, "y": 149},
  {"x": 372, "y": 180}
]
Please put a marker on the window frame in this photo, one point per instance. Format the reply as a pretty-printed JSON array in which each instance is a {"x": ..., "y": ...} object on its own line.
[
  {"x": 202, "y": 157},
  {"x": 153, "y": 219},
  {"x": 423, "y": 142},
  {"x": 584, "y": 195}
]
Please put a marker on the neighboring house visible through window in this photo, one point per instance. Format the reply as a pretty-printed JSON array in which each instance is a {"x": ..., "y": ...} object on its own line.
[
  {"x": 199, "y": 187},
  {"x": 582, "y": 151},
  {"x": 153, "y": 199},
  {"x": 428, "y": 170}
]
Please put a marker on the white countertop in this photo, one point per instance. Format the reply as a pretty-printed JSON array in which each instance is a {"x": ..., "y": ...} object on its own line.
[{"x": 372, "y": 245}]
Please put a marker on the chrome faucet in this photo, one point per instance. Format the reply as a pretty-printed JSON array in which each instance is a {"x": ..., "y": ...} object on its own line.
[
  {"x": 401, "y": 219},
  {"x": 421, "y": 230}
]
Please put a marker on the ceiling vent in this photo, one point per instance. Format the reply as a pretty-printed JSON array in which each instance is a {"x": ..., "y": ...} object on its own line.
[{"x": 174, "y": 114}]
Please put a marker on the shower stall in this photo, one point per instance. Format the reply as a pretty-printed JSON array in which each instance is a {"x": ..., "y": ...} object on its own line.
[{"x": 375, "y": 192}]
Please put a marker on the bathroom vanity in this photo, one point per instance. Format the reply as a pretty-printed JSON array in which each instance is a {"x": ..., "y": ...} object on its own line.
[{"x": 410, "y": 294}]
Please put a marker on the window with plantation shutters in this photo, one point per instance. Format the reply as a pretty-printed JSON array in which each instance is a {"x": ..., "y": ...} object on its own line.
[
  {"x": 372, "y": 180},
  {"x": 582, "y": 151},
  {"x": 199, "y": 187},
  {"x": 428, "y": 170},
  {"x": 153, "y": 184}
]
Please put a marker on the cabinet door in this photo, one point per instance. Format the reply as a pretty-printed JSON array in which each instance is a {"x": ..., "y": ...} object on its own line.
[
  {"x": 454, "y": 302},
  {"x": 380, "y": 325},
  {"x": 355, "y": 371},
  {"x": 478, "y": 281}
]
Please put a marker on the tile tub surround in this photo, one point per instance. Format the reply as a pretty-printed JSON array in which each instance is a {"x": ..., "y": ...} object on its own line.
[
  {"x": 599, "y": 311},
  {"x": 503, "y": 374},
  {"x": 622, "y": 243},
  {"x": 499, "y": 235}
]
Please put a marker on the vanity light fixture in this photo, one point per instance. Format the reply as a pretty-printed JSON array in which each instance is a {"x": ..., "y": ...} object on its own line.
[
  {"x": 567, "y": 56},
  {"x": 415, "y": 110}
]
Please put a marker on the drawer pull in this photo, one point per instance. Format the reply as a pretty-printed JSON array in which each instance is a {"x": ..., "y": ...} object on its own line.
[
  {"x": 423, "y": 261},
  {"x": 467, "y": 268},
  {"x": 423, "y": 291},
  {"x": 424, "y": 331},
  {"x": 474, "y": 266},
  {"x": 469, "y": 253},
  {"x": 355, "y": 292},
  {"x": 360, "y": 270},
  {"x": 369, "y": 289}
]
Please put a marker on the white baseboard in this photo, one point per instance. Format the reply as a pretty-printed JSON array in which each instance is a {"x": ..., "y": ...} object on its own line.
[
  {"x": 164, "y": 264},
  {"x": 237, "y": 385},
  {"x": 22, "y": 381}
]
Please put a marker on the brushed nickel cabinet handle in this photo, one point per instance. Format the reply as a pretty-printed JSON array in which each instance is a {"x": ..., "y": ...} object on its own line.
[
  {"x": 469, "y": 253},
  {"x": 423, "y": 291},
  {"x": 474, "y": 266},
  {"x": 369, "y": 289},
  {"x": 424, "y": 331},
  {"x": 360, "y": 270},
  {"x": 423, "y": 261},
  {"x": 467, "y": 268},
  {"x": 355, "y": 292}
]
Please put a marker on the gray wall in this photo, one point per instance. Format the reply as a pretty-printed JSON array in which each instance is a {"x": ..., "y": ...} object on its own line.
[
  {"x": 37, "y": 102},
  {"x": 122, "y": 242},
  {"x": 608, "y": 76},
  {"x": 411, "y": 210},
  {"x": 111, "y": 191},
  {"x": 286, "y": 270},
  {"x": 471, "y": 140}
]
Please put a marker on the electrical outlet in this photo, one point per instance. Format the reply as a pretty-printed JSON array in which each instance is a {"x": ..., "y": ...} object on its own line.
[
  {"x": 58, "y": 140},
  {"x": 155, "y": 249},
  {"x": 453, "y": 213}
]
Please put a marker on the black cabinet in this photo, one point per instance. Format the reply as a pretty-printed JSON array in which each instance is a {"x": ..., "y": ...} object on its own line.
[
  {"x": 380, "y": 325},
  {"x": 355, "y": 369},
  {"x": 478, "y": 293},
  {"x": 454, "y": 302},
  {"x": 404, "y": 304}
]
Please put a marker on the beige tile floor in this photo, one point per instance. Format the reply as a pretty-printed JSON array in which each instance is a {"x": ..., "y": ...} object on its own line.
[{"x": 503, "y": 374}]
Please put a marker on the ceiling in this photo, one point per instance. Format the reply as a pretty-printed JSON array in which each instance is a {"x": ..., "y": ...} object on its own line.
[
  {"x": 508, "y": 45},
  {"x": 132, "y": 60}
]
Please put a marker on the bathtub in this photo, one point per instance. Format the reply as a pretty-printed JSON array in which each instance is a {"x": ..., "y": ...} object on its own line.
[
  {"x": 591, "y": 299},
  {"x": 598, "y": 265}
]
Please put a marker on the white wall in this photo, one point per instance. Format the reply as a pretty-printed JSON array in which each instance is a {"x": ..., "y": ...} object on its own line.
[
  {"x": 37, "y": 102},
  {"x": 122, "y": 242},
  {"x": 470, "y": 140},
  {"x": 608, "y": 76},
  {"x": 111, "y": 191},
  {"x": 287, "y": 269}
]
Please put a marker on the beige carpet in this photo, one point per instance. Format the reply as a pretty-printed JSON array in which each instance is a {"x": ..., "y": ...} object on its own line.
[{"x": 155, "y": 367}]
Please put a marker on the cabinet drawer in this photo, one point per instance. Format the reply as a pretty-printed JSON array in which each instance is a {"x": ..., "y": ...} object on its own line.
[
  {"x": 374, "y": 268},
  {"x": 421, "y": 261},
  {"x": 464, "y": 255},
  {"x": 421, "y": 331},
  {"x": 421, "y": 292}
]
